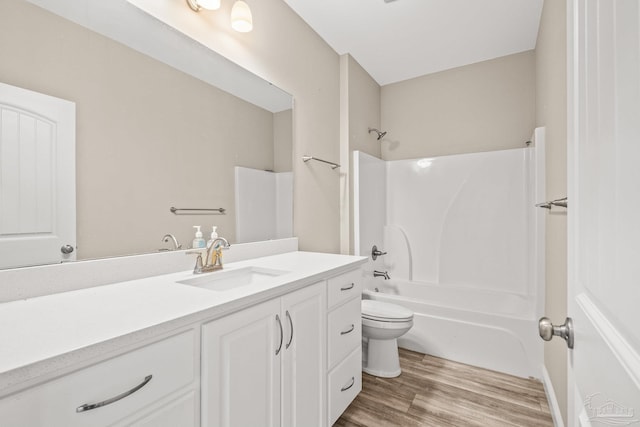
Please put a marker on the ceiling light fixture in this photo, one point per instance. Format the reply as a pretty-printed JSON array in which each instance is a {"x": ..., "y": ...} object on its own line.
[
  {"x": 196, "y": 5},
  {"x": 241, "y": 18}
]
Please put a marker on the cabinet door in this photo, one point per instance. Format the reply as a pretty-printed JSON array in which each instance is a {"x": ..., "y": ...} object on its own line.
[
  {"x": 304, "y": 357},
  {"x": 240, "y": 370}
]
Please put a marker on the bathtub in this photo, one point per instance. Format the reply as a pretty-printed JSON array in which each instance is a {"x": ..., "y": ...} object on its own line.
[{"x": 493, "y": 330}]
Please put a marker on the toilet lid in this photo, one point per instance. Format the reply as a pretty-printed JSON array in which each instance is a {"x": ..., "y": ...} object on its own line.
[{"x": 384, "y": 311}]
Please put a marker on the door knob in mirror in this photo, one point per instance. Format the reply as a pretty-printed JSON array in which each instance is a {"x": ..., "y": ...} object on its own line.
[{"x": 66, "y": 249}]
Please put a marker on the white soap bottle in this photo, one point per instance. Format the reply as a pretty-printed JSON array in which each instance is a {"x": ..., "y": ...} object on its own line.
[
  {"x": 198, "y": 241},
  {"x": 214, "y": 235}
]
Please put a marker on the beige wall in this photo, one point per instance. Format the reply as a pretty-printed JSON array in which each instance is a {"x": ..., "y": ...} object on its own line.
[
  {"x": 480, "y": 107},
  {"x": 285, "y": 51},
  {"x": 551, "y": 112},
  {"x": 282, "y": 141},
  {"x": 360, "y": 110},
  {"x": 148, "y": 137}
]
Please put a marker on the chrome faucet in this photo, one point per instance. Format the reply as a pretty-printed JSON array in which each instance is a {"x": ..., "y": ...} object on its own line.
[
  {"x": 384, "y": 274},
  {"x": 171, "y": 237},
  {"x": 213, "y": 256}
]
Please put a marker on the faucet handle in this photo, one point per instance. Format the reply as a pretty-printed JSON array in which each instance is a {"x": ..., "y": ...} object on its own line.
[
  {"x": 199, "y": 264},
  {"x": 375, "y": 253}
]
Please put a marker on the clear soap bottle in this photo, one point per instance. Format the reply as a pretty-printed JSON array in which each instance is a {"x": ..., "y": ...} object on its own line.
[
  {"x": 214, "y": 236},
  {"x": 198, "y": 241}
]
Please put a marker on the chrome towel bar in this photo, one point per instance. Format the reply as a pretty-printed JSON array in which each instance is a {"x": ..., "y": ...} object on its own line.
[
  {"x": 562, "y": 203},
  {"x": 307, "y": 158},
  {"x": 197, "y": 211}
]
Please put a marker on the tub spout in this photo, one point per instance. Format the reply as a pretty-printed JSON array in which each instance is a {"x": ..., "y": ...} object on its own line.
[{"x": 384, "y": 274}]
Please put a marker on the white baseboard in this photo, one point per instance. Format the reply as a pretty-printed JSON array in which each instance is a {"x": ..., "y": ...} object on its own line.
[{"x": 551, "y": 398}]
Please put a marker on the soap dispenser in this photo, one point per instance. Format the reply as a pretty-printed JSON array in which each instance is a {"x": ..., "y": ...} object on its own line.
[
  {"x": 198, "y": 241},
  {"x": 214, "y": 236}
]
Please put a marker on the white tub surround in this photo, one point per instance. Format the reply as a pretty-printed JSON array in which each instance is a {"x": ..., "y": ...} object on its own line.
[
  {"x": 51, "y": 335},
  {"x": 465, "y": 251}
]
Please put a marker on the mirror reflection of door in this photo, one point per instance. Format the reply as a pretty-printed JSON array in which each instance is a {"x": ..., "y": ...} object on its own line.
[{"x": 37, "y": 178}]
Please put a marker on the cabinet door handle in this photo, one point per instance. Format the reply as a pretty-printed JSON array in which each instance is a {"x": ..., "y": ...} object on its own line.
[
  {"x": 347, "y": 387},
  {"x": 281, "y": 334},
  {"x": 346, "y": 288},
  {"x": 90, "y": 406},
  {"x": 349, "y": 331},
  {"x": 291, "y": 323}
]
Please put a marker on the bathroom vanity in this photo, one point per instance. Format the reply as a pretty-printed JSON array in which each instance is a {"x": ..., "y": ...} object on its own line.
[{"x": 266, "y": 341}]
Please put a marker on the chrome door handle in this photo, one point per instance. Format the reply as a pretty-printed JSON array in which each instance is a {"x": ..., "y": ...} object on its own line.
[
  {"x": 548, "y": 330},
  {"x": 291, "y": 323},
  {"x": 281, "y": 334},
  {"x": 345, "y": 388},
  {"x": 349, "y": 331},
  {"x": 90, "y": 406}
]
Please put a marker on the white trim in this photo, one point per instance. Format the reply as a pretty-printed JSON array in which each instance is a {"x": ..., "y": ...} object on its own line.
[
  {"x": 539, "y": 220},
  {"x": 551, "y": 398},
  {"x": 621, "y": 348},
  {"x": 356, "y": 202}
]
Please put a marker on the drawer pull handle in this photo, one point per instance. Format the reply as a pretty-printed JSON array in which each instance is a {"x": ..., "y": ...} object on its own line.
[
  {"x": 345, "y": 388},
  {"x": 349, "y": 331},
  {"x": 346, "y": 288},
  {"x": 88, "y": 407},
  {"x": 291, "y": 323},
  {"x": 281, "y": 334}
]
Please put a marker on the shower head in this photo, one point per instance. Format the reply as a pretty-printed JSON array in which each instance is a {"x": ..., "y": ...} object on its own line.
[{"x": 380, "y": 134}]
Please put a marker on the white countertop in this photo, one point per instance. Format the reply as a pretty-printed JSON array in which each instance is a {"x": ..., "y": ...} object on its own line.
[{"x": 44, "y": 335}]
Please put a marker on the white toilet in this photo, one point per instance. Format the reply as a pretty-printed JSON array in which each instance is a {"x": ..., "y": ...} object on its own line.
[{"x": 382, "y": 324}]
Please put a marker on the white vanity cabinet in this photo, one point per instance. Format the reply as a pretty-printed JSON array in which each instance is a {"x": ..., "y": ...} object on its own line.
[
  {"x": 344, "y": 342},
  {"x": 284, "y": 354},
  {"x": 150, "y": 386},
  {"x": 265, "y": 365}
]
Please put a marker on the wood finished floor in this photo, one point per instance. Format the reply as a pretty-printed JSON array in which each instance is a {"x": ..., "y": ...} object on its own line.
[{"x": 437, "y": 392}]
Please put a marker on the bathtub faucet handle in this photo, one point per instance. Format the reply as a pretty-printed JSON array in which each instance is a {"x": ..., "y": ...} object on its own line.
[
  {"x": 375, "y": 253},
  {"x": 384, "y": 274}
]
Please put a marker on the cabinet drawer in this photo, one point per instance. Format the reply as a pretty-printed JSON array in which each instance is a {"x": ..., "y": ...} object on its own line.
[
  {"x": 345, "y": 382},
  {"x": 179, "y": 412},
  {"x": 344, "y": 331},
  {"x": 170, "y": 363},
  {"x": 344, "y": 287}
]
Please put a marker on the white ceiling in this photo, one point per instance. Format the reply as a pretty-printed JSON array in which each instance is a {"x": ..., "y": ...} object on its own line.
[{"x": 403, "y": 39}]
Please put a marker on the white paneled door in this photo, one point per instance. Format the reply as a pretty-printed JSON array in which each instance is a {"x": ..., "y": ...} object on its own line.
[
  {"x": 37, "y": 178},
  {"x": 604, "y": 211}
]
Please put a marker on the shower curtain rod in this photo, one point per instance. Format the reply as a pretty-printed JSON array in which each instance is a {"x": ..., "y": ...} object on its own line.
[{"x": 307, "y": 158}]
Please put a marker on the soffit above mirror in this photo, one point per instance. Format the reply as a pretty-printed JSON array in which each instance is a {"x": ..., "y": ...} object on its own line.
[{"x": 149, "y": 36}]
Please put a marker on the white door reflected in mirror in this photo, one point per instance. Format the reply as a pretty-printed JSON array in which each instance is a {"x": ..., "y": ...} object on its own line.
[{"x": 37, "y": 178}]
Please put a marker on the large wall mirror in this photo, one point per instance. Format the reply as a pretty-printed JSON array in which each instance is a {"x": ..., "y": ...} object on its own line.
[{"x": 149, "y": 134}]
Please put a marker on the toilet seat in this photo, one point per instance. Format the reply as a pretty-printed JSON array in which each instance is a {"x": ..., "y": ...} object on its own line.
[{"x": 385, "y": 312}]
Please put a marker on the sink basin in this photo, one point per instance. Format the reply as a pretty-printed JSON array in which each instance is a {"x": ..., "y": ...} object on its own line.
[{"x": 226, "y": 280}]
